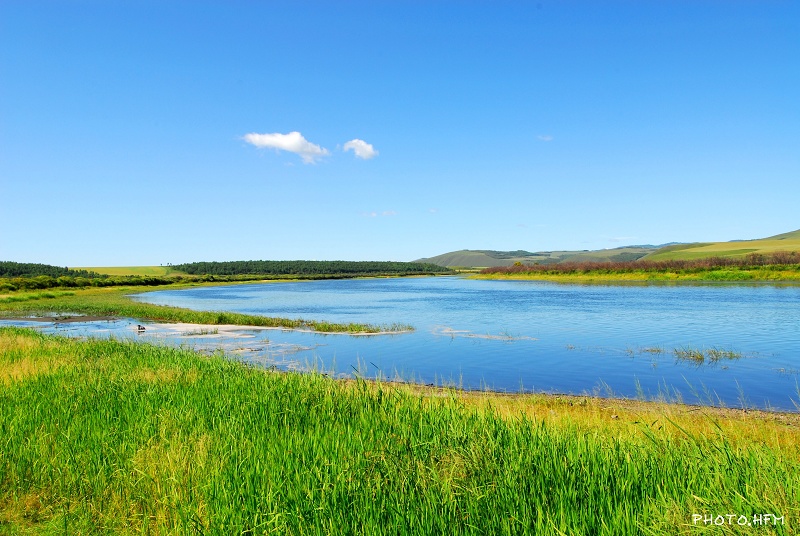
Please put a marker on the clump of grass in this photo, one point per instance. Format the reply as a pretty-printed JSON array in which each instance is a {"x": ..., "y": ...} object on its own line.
[
  {"x": 134, "y": 438},
  {"x": 690, "y": 354},
  {"x": 715, "y": 354},
  {"x": 201, "y": 331},
  {"x": 33, "y": 296},
  {"x": 710, "y": 354}
]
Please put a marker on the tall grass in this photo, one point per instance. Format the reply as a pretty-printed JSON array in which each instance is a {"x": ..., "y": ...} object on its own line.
[{"x": 108, "y": 436}]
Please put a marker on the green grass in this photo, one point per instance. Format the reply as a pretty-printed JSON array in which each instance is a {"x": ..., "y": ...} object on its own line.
[
  {"x": 115, "y": 301},
  {"x": 116, "y": 437},
  {"x": 133, "y": 270},
  {"x": 783, "y": 242}
]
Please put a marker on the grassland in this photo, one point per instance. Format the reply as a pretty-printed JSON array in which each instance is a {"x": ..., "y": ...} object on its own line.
[
  {"x": 115, "y": 437},
  {"x": 115, "y": 302},
  {"x": 141, "y": 271},
  {"x": 740, "y": 248}
]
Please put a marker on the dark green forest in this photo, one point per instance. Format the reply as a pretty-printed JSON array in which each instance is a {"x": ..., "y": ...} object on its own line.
[{"x": 27, "y": 269}]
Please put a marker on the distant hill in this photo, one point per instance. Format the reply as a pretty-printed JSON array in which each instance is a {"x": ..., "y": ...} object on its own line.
[
  {"x": 735, "y": 248},
  {"x": 482, "y": 258}
]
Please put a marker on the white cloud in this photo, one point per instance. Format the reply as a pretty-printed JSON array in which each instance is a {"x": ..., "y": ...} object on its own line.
[
  {"x": 544, "y": 137},
  {"x": 293, "y": 142},
  {"x": 375, "y": 213},
  {"x": 362, "y": 149},
  {"x": 621, "y": 238}
]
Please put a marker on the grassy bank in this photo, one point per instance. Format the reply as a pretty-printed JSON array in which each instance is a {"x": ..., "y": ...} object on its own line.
[
  {"x": 107, "y": 436},
  {"x": 755, "y": 276},
  {"x": 115, "y": 301}
]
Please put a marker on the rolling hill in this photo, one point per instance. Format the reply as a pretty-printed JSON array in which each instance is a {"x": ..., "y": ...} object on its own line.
[
  {"x": 735, "y": 248},
  {"x": 468, "y": 258}
]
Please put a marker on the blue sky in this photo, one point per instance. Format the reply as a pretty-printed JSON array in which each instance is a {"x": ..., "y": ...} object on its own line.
[{"x": 141, "y": 133}]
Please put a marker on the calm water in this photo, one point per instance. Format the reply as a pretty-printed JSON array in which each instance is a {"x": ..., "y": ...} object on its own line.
[{"x": 513, "y": 335}]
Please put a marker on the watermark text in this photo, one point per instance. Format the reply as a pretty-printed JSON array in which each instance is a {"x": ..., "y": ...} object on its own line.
[{"x": 754, "y": 520}]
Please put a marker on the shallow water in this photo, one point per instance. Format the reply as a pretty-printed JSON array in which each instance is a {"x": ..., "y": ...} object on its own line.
[{"x": 520, "y": 336}]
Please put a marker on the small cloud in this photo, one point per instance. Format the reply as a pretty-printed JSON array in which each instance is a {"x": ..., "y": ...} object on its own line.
[
  {"x": 544, "y": 137},
  {"x": 621, "y": 238},
  {"x": 522, "y": 226},
  {"x": 293, "y": 142},
  {"x": 362, "y": 149},
  {"x": 375, "y": 213},
  {"x": 433, "y": 210}
]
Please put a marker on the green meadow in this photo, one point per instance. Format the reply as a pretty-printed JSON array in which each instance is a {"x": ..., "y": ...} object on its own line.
[
  {"x": 740, "y": 248},
  {"x": 142, "y": 271},
  {"x": 110, "y": 437}
]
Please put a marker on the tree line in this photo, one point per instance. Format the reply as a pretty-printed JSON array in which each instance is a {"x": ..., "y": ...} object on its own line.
[
  {"x": 28, "y": 269},
  {"x": 25, "y": 276}
]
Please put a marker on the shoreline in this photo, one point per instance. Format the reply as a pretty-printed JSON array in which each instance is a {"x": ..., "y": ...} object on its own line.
[
  {"x": 601, "y": 279},
  {"x": 480, "y": 396},
  {"x": 621, "y": 405},
  {"x": 221, "y": 328}
]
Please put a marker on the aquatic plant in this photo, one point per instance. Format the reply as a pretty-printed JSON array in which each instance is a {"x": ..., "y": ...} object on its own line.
[{"x": 710, "y": 354}]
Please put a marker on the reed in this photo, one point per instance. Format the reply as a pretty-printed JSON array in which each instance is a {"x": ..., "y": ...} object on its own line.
[{"x": 105, "y": 436}]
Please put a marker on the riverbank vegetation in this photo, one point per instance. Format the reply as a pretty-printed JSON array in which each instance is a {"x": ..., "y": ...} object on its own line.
[
  {"x": 778, "y": 266},
  {"x": 108, "y": 436},
  {"x": 116, "y": 302}
]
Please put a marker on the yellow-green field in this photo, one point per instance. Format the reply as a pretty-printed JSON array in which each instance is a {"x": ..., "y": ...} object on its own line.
[
  {"x": 115, "y": 437},
  {"x": 781, "y": 242},
  {"x": 131, "y": 270}
]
